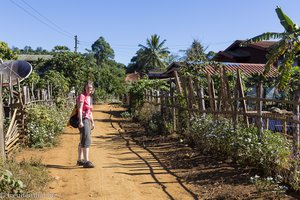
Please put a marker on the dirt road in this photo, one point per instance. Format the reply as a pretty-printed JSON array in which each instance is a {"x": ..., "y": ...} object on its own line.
[{"x": 123, "y": 169}]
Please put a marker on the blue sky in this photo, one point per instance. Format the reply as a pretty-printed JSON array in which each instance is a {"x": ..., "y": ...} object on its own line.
[{"x": 127, "y": 23}]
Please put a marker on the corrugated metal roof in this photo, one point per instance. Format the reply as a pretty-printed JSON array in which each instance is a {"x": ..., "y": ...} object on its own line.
[
  {"x": 248, "y": 69},
  {"x": 29, "y": 57}
]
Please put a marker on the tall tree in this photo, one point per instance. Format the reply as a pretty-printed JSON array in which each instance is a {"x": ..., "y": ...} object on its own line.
[
  {"x": 102, "y": 51},
  {"x": 152, "y": 54},
  {"x": 196, "y": 52},
  {"x": 286, "y": 50}
]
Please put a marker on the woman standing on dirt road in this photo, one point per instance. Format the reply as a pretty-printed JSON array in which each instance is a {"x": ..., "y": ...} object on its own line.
[{"x": 86, "y": 124}]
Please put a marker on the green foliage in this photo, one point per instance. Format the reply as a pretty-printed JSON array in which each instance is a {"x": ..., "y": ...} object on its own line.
[
  {"x": 10, "y": 185},
  {"x": 152, "y": 55},
  {"x": 151, "y": 121},
  {"x": 60, "y": 84},
  {"x": 138, "y": 88},
  {"x": 269, "y": 186},
  {"x": 24, "y": 177},
  {"x": 6, "y": 53},
  {"x": 110, "y": 81},
  {"x": 271, "y": 154},
  {"x": 125, "y": 114},
  {"x": 102, "y": 51},
  {"x": 44, "y": 123},
  {"x": 196, "y": 53},
  {"x": 286, "y": 50},
  {"x": 71, "y": 66}
]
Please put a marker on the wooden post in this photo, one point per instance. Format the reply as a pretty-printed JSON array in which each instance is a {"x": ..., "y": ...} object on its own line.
[
  {"x": 201, "y": 102},
  {"x": 296, "y": 132},
  {"x": 191, "y": 96},
  {"x": 32, "y": 92},
  {"x": 228, "y": 102},
  {"x": 178, "y": 84},
  {"x": 241, "y": 94},
  {"x": 186, "y": 96},
  {"x": 2, "y": 142},
  {"x": 173, "y": 111},
  {"x": 48, "y": 90},
  {"x": 211, "y": 94},
  {"x": 259, "y": 110}
]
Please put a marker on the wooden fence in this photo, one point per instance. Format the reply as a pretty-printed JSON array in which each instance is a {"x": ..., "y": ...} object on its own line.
[
  {"x": 14, "y": 106},
  {"x": 199, "y": 100}
]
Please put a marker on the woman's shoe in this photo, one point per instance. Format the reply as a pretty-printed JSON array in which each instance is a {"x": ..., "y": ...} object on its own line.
[
  {"x": 80, "y": 162},
  {"x": 88, "y": 164}
]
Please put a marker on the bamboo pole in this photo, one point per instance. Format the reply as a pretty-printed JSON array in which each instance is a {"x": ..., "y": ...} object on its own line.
[
  {"x": 178, "y": 84},
  {"x": 2, "y": 142},
  {"x": 200, "y": 99},
  {"x": 241, "y": 94},
  {"x": 211, "y": 93},
  {"x": 259, "y": 110},
  {"x": 191, "y": 95}
]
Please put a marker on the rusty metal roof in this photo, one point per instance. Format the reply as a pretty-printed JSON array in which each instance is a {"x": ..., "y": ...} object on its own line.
[{"x": 247, "y": 69}]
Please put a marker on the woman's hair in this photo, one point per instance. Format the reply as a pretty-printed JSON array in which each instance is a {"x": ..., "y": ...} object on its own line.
[{"x": 88, "y": 83}]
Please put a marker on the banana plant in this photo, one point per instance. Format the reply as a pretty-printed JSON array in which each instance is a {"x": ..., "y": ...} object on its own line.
[{"x": 286, "y": 50}]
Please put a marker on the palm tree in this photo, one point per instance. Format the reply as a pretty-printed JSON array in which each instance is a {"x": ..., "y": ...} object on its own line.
[
  {"x": 152, "y": 55},
  {"x": 285, "y": 50},
  {"x": 196, "y": 53}
]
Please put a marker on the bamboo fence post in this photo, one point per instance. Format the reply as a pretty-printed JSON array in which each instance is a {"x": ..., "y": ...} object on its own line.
[
  {"x": 191, "y": 96},
  {"x": 24, "y": 94},
  {"x": 236, "y": 107},
  {"x": 201, "y": 102},
  {"x": 185, "y": 94},
  {"x": 259, "y": 109},
  {"x": 211, "y": 94},
  {"x": 178, "y": 84},
  {"x": 173, "y": 111},
  {"x": 158, "y": 100},
  {"x": 241, "y": 94},
  {"x": 284, "y": 128},
  {"x": 2, "y": 142},
  {"x": 48, "y": 90},
  {"x": 220, "y": 93},
  {"x": 228, "y": 103},
  {"x": 296, "y": 132},
  {"x": 32, "y": 92}
]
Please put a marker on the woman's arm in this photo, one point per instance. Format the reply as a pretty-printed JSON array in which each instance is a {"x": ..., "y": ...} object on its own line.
[
  {"x": 92, "y": 120},
  {"x": 80, "y": 114}
]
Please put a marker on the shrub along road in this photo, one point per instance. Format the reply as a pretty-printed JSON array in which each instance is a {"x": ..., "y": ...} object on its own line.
[{"x": 123, "y": 170}]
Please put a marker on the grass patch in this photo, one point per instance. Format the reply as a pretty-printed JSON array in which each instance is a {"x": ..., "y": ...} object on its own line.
[{"x": 33, "y": 175}]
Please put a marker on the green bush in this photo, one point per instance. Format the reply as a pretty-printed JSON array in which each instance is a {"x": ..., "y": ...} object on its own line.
[
  {"x": 44, "y": 123},
  {"x": 10, "y": 185},
  {"x": 271, "y": 154}
]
